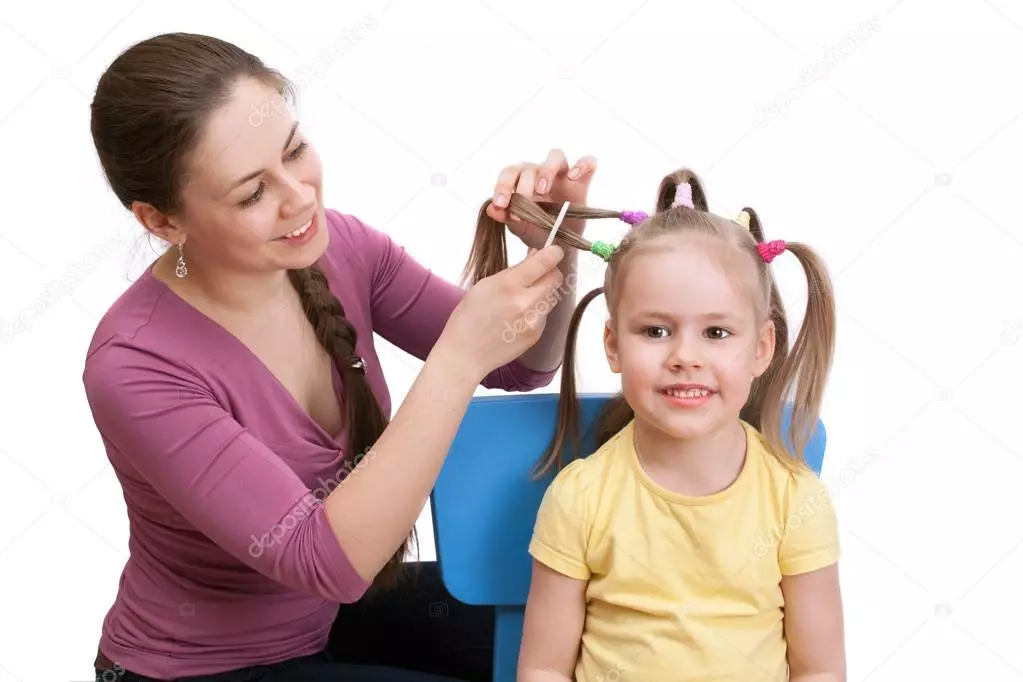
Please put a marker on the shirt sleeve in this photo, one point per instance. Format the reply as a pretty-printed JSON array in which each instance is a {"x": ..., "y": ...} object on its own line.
[
  {"x": 165, "y": 423},
  {"x": 809, "y": 539},
  {"x": 562, "y": 525},
  {"x": 411, "y": 305}
]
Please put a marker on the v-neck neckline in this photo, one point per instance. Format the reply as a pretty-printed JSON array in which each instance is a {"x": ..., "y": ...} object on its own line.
[{"x": 218, "y": 328}]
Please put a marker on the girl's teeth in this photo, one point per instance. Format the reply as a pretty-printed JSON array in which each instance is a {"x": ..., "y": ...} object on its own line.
[{"x": 692, "y": 393}]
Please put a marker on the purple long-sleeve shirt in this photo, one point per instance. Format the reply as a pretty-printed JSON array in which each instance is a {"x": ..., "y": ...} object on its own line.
[{"x": 232, "y": 560}]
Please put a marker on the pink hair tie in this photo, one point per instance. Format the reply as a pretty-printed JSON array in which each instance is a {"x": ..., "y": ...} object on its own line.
[
  {"x": 769, "y": 250},
  {"x": 683, "y": 195},
  {"x": 633, "y": 217}
]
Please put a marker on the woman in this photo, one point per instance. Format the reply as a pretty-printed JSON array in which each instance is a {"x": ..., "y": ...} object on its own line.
[{"x": 236, "y": 385}]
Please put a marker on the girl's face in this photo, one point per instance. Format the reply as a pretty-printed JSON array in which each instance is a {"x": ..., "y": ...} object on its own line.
[
  {"x": 254, "y": 180},
  {"x": 685, "y": 337}
]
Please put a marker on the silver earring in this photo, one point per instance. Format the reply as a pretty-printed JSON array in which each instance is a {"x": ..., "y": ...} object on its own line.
[{"x": 182, "y": 269}]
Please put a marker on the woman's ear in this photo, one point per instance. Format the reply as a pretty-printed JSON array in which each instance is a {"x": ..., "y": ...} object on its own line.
[
  {"x": 157, "y": 223},
  {"x": 611, "y": 347}
]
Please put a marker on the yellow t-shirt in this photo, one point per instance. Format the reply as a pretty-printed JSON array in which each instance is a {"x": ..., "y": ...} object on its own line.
[{"x": 683, "y": 588}]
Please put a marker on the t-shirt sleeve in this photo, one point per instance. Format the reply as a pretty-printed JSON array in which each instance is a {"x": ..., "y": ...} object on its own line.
[
  {"x": 562, "y": 525},
  {"x": 411, "y": 305},
  {"x": 166, "y": 424},
  {"x": 809, "y": 540}
]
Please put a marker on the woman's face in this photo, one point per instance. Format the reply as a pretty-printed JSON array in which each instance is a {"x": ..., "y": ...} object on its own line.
[{"x": 253, "y": 192}]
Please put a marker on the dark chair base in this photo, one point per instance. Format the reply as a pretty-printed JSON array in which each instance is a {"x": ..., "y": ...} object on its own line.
[{"x": 418, "y": 626}]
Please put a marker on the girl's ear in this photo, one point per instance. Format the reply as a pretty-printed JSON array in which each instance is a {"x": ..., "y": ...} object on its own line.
[
  {"x": 611, "y": 347},
  {"x": 764, "y": 348}
]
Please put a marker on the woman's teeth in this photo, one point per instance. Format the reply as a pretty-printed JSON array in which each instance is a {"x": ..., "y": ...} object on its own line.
[{"x": 299, "y": 231}]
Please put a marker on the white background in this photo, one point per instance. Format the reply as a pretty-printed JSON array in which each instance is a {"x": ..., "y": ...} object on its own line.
[{"x": 886, "y": 134}]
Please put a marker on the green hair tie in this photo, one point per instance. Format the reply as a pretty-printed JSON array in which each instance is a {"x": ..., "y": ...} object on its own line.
[{"x": 602, "y": 249}]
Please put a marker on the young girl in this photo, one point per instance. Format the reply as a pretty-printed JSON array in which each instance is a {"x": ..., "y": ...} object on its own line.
[{"x": 694, "y": 544}]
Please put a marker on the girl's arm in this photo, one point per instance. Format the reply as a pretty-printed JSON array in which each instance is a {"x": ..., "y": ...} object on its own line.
[
  {"x": 814, "y": 626},
  {"x": 553, "y": 627}
]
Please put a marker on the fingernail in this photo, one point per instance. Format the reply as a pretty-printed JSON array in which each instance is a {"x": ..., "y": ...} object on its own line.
[
  {"x": 501, "y": 200},
  {"x": 574, "y": 174},
  {"x": 542, "y": 187}
]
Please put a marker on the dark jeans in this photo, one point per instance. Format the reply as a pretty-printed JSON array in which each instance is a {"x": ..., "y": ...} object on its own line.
[
  {"x": 413, "y": 633},
  {"x": 317, "y": 668}
]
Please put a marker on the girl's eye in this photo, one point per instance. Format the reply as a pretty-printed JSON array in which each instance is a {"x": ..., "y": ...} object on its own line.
[
  {"x": 718, "y": 333},
  {"x": 655, "y": 332}
]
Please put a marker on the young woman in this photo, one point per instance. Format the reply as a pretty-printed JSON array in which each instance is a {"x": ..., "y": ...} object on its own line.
[{"x": 236, "y": 386}]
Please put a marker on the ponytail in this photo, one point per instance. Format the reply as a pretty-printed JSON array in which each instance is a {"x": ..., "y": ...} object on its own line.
[{"x": 802, "y": 373}]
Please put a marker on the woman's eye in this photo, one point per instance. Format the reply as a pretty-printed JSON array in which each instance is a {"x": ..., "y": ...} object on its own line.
[
  {"x": 656, "y": 332},
  {"x": 298, "y": 151},
  {"x": 718, "y": 333},
  {"x": 254, "y": 197}
]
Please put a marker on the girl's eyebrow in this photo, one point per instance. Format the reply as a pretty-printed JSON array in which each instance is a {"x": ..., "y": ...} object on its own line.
[{"x": 709, "y": 317}]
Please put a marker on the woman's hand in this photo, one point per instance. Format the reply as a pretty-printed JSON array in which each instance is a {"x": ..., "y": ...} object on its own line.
[
  {"x": 552, "y": 180},
  {"x": 503, "y": 315}
]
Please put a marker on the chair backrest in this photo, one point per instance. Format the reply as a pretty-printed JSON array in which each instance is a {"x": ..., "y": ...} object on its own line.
[{"x": 485, "y": 503}]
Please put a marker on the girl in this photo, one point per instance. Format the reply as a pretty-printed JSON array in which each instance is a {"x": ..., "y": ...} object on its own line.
[{"x": 694, "y": 544}]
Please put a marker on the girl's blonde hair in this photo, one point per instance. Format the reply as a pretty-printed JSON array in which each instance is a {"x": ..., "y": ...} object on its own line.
[{"x": 799, "y": 373}]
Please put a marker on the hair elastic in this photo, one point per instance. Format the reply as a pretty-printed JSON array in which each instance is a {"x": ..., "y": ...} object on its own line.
[
  {"x": 633, "y": 217},
  {"x": 743, "y": 219},
  {"x": 769, "y": 250},
  {"x": 683, "y": 195},
  {"x": 602, "y": 249}
]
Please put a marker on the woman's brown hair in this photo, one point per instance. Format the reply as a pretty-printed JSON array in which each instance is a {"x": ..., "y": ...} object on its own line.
[
  {"x": 800, "y": 372},
  {"x": 148, "y": 115}
]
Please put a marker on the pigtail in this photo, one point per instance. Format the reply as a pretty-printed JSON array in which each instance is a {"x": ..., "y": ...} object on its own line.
[
  {"x": 668, "y": 188},
  {"x": 364, "y": 418},
  {"x": 489, "y": 252},
  {"x": 566, "y": 429},
  {"x": 802, "y": 373}
]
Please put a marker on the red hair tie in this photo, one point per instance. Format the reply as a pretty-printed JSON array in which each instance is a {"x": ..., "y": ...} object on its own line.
[{"x": 768, "y": 250}]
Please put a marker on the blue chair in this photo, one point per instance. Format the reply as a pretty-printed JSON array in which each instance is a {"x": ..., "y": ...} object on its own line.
[{"x": 485, "y": 503}]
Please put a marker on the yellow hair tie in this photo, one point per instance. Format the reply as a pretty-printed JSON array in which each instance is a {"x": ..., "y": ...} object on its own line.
[{"x": 743, "y": 219}]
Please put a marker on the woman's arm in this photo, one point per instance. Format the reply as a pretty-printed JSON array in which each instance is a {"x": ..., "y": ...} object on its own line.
[
  {"x": 548, "y": 353},
  {"x": 814, "y": 626},
  {"x": 165, "y": 426},
  {"x": 553, "y": 626},
  {"x": 376, "y": 508}
]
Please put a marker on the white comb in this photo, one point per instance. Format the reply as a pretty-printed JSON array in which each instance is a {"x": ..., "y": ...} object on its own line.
[{"x": 557, "y": 224}]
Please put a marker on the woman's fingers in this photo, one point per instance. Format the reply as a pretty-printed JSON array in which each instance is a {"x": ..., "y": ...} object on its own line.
[
  {"x": 527, "y": 180},
  {"x": 583, "y": 169},
  {"x": 555, "y": 165}
]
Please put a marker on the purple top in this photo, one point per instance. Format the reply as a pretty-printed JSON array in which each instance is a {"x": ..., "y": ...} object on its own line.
[{"x": 232, "y": 560}]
